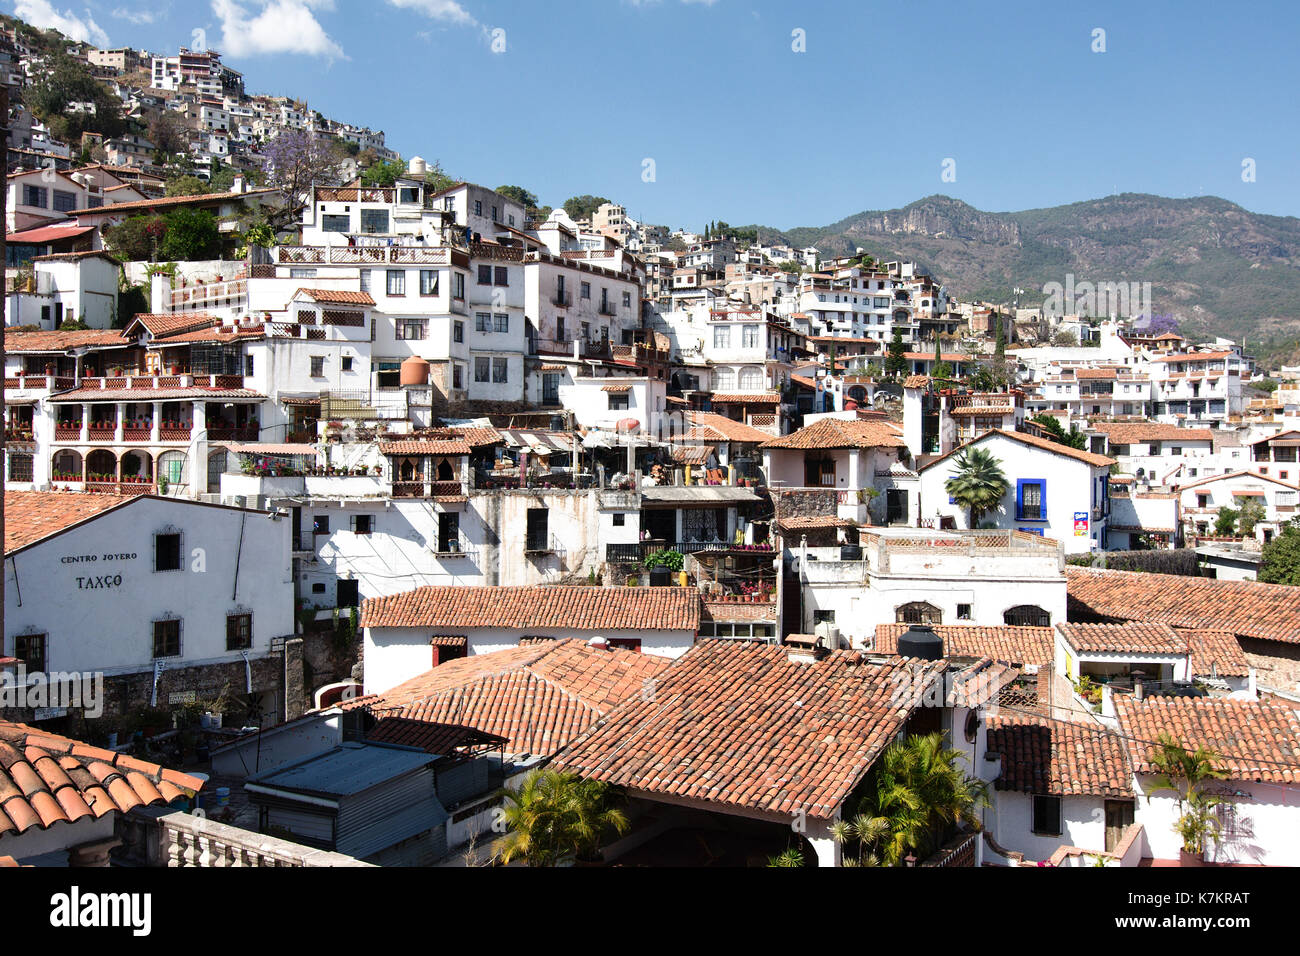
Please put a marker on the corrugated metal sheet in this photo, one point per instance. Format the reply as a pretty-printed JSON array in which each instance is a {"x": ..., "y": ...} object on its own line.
[{"x": 388, "y": 813}]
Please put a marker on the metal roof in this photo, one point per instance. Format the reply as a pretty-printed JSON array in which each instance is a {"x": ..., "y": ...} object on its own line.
[{"x": 346, "y": 770}]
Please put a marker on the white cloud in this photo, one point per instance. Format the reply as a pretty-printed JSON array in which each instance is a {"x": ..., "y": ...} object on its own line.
[
  {"x": 138, "y": 17},
  {"x": 281, "y": 26},
  {"x": 448, "y": 11},
  {"x": 40, "y": 14}
]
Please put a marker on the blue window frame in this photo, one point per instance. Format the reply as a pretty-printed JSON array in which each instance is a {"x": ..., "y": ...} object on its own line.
[{"x": 1031, "y": 499}]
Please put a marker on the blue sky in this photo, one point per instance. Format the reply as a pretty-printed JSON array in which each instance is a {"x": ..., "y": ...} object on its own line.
[{"x": 743, "y": 128}]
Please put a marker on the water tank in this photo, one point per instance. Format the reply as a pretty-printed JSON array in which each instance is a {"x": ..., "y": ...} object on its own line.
[
  {"x": 850, "y": 552},
  {"x": 417, "y": 166},
  {"x": 414, "y": 371},
  {"x": 919, "y": 640},
  {"x": 660, "y": 577}
]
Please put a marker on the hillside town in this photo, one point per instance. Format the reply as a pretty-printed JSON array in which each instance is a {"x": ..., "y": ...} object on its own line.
[{"x": 398, "y": 507}]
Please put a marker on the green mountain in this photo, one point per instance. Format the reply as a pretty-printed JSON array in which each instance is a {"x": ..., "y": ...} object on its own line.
[{"x": 1217, "y": 267}]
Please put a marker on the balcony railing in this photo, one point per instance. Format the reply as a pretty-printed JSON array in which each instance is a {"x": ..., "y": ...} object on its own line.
[
  {"x": 67, "y": 432},
  {"x": 607, "y": 308},
  {"x": 233, "y": 432},
  {"x": 562, "y": 299},
  {"x": 209, "y": 296},
  {"x": 639, "y": 551},
  {"x": 102, "y": 431}
]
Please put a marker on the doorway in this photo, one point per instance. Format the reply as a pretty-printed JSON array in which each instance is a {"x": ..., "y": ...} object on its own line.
[
  {"x": 896, "y": 506},
  {"x": 1119, "y": 817}
]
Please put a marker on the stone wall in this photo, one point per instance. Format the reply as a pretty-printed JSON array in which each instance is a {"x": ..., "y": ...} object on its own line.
[{"x": 804, "y": 502}]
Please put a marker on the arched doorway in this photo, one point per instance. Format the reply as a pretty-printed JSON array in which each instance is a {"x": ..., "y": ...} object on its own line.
[
  {"x": 101, "y": 466},
  {"x": 172, "y": 471},
  {"x": 137, "y": 466},
  {"x": 66, "y": 466},
  {"x": 918, "y": 612}
]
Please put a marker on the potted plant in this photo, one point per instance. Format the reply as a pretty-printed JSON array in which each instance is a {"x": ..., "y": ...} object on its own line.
[{"x": 1186, "y": 773}]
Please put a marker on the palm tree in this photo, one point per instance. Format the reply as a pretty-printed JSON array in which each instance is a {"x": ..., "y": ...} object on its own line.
[
  {"x": 1184, "y": 773},
  {"x": 918, "y": 795},
  {"x": 978, "y": 483},
  {"x": 555, "y": 818}
]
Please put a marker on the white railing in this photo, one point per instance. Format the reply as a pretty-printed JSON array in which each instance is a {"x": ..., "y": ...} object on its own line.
[
  {"x": 208, "y": 295},
  {"x": 163, "y": 837}
]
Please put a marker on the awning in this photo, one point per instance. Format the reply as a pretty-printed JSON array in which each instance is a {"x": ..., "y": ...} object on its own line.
[{"x": 303, "y": 402}]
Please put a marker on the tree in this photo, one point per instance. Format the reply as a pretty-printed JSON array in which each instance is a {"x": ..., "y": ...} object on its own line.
[
  {"x": 297, "y": 161},
  {"x": 135, "y": 239},
  {"x": 1225, "y": 524},
  {"x": 555, "y": 818},
  {"x": 581, "y": 207},
  {"x": 192, "y": 234},
  {"x": 1185, "y": 773},
  {"x": 917, "y": 795},
  {"x": 167, "y": 132},
  {"x": 1065, "y": 339},
  {"x": 1000, "y": 343},
  {"x": 382, "y": 174},
  {"x": 436, "y": 177},
  {"x": 68, "y": 99},
  {"x": 1251, "y": 514},
  {"x": 520, "y": 195},
  {"x": 1072, "y": 439},
  {"x": 1281, "y": 557},
  {"x": 978, "y": 483},
  {"x": 896, "y": 361},
  {"x": 186, "y": 185}
]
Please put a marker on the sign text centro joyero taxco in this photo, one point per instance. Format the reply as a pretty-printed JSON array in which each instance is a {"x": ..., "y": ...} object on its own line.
[{"x": 54, "y": 693}]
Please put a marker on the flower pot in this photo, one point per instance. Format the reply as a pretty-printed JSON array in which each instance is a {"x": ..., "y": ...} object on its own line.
[{"x": 1189, "y": 858}]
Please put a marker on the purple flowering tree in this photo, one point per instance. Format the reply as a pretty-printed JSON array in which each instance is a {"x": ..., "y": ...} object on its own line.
[{"x": 295, "y": 161}]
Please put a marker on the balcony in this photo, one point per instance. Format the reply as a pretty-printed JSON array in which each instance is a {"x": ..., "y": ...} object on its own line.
[
  {"x": 607, "y": 308},
  {"x": 428, "y": 489},
  {"x": 212, "y": 295},
  {"x": 174, "y": 431},
  {"x": 639, "y": 551},
  {"x": 67, "y": 431},
  {"x": 220, "y": 432},
  {"x": 102, "y": 431},
  {"x": 562, "y": 299}
]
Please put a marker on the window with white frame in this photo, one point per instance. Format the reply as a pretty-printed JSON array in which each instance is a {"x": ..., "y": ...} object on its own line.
[
  {"x": 396, "y": 282},
  {"x": 721, "y": 336}
]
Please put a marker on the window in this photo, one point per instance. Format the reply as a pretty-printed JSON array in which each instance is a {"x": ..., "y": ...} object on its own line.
[
  {"x": 389, "y": 374},
  {"x": 618, "y": 401},
  {"x": 482, "y": 368},
  {"x": 537, "y": 536},
  {"x": 428, "y": 282},
  {"x": 30, "y": 649},
  {"x": 824, "y": 617},
  {"x": 362, "y": 524},
  {"x": 484, "y": 275},
  {"x": 335, "y": 223},
  {"x": 167, "y": 638},
  {"x": 320, "y": 524},
  {"x": 448, "y": 532},
  {"x": 918, "y": 612},
  {"x": 1031, "y": 500},
  {"x": 618, "y": 519},
  {"x": 500, "y": 370},
  {"x": 502, "y": 276},
  {"x": 1047, "y": 815},
  {"x": 396, "y": 282},
  {"x": 751, "y": 379},
  {"x": 819, "y": 472},
  {"x": 482, "y": 321},
  {"x": 318, "y": 366},
  {"x": 585, "y": 290},
  {"x": 64, "y": 201},
  {"x": 35, "y": 196},
  {"x": 302, "y": 273},
  {"x": 239, "y": 631},
  {"x": 496, "y": 217},
  {"x": 559, "y": 328},
  {"x": 365, "y": 280},
  {"x": 478, "y": 207},
  {"x": 963, "y": 612},
  {"x": 501, "y": 322},
  {"x": 1026, "y": 615},
  {"x": 167, "y": 551},
  {"x": 21, "y": 467},
  {"x": 457, "y": 375},
  {"x": 412, "y": 328},
  {"x": 374, "y": 220},
  {"x": 458, "y": 331},
  {"x": 721, "y": 336},
  {"x": 749, "y": 336},
  {"x": 345, "y": 363},
  {"x": 458, "y": 285},
  {"x": 627, "y": 300}
]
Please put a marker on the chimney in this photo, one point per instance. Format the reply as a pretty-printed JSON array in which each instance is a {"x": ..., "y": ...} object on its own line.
[{"x": 1138, "y": 690}]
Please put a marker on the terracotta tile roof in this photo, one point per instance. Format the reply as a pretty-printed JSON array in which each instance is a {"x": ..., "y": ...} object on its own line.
[
  {"x": 163, "y": 324},
  {"x": 738, "y": 611},
  {"x": 814, "y": 523},
  {"x": 1094, "y": 373},
  {"x": 710, "y": 426},
  {"x": 213, "y": 334},
  {"x": 338, "y": 297},
  {"x": 916, "y": 381},
  {"x": 1129, "y": 433},
  {"x": 168, "y": 201},
  {"x": 1192, "y": 357},
  {"x": 746, "y": 398},
  {"x": 1016, "y": 645},
  {"x": 478, "y": 436},
  {"x": 1244, "y": 608},
  {"x": 538, "y": 696},
  {"x": 973, "y": 410},
  {"x": 151, "y": 394},
  {"x": 839, "y": 433},
  {"x": 539, "y": 606},
  {"x": 1216, "y": 653},
  {"x": 1046, "y": 444},
  {"x": 59, "y": 341},
  {"x": 740, "y": 725},
  {"x": 691, "y": 454},
  {"x": 30, "y": 516},
  {"x": 1059, "y": 757},
  {"x": 1236, "y": 474},
  {"x": 433, "y": 738},
  {"x": 456, "y": 446},
  {"x": 1256, "y": 741},
  {"x": 1133, "y": 637},
  {"x": 616, "y": 388},
  {"x": 47, "y": 779}
]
